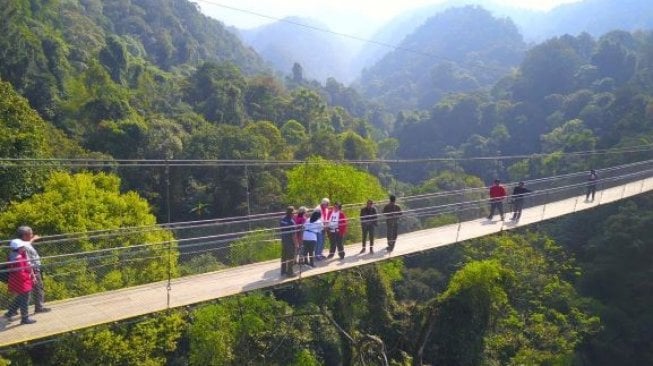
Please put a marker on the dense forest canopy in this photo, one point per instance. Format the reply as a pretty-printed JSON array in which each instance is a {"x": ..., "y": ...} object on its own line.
[{"x": 155, "y": 79}]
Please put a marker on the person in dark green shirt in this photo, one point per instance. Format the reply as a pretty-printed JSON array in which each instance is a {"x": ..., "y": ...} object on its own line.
[{"x": 392, "y": 211}]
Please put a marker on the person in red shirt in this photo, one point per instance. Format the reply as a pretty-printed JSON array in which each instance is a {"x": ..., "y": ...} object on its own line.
[
  {"x": 497, "y": 195},
  {"x": 21, "y": 281}
]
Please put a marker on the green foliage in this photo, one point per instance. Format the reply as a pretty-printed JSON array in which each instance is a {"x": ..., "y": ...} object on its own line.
[
  {"x": 305, "y": 357},
  {"x": 202, "y": 263},
  {"x": 88, "y": 202},
  {"x": 308, "y": 183},
  {"x": 547, "y": 319},
  {"x": 22, "y": 135},
  {"x": 147, "y": 342},
  {"x": 613, "y": 250},
  {"x": 294, "y": 133},
  {"x": 307, "y": 108},
  {"x": 571, "y": 136},
  {"x": 464, "y": 314},
  {"x": 247, "y": 329},
  {"x": 357, "y": 148},
  {"x": 216, "y": 91},
  {"x": 251, "y": 248}
]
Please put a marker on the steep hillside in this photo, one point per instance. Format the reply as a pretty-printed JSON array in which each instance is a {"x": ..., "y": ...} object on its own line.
[
  {"x": 46, "y": 42},
  {"x": 173, "y": 32},
  {"x": 459, "y": 50},
  {"x": 321, "y": 54}
]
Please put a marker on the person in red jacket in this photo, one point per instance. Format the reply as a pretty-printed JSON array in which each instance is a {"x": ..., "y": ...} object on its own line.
[
  {"x": 497, "y": 195},
  {"x": 337, "y": 228},
  {"x": 21, "y": 281}
]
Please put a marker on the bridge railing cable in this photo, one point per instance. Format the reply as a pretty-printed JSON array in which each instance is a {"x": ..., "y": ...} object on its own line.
[{"x": 130, "y": 258}]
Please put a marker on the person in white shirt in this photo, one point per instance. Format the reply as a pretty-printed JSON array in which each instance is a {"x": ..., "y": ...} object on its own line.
[
  {"x": 337, "y": 229},
  {"x": 325, "y": 213},
  {"x": 311, "y": 229}
]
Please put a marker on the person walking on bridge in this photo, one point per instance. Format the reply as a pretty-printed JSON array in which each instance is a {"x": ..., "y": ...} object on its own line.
[
  {"x": 369, "y": 221},
  {"x": 21, "y": 281},
  {"x": 392, "y": 211},
  {"x": 518, "y": 194},
  {"x": 288, "y": 231},
  {"x": 591, "y": 185},
  {"x": 26, "y": 234},
  {"x": 497, "y": 195}
]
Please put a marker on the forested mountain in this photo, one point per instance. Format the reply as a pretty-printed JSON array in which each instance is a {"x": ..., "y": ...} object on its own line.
[
  {"x": 459, "y": 50},
  {"x": 534, "y": 25},
  {"x": 286, "y": 42},
  {"x": 395, "y": 30},
  {"x": 570, "y": 94},
  {"x": 46, "y": 42},
  {"x": 156, "y": 79}
]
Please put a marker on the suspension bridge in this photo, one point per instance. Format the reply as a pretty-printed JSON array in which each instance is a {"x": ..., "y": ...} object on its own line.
[{"x": 429, "y": 221}]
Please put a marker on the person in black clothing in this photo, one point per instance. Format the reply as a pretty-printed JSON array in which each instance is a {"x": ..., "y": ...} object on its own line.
[
  {"x": 518, "y": 194},
  {"x": 369, "y": 220},
  {"x": 591, "y": 185},
  {"x": 392, "y": 211},
  {"x": 288, "y": 237}
]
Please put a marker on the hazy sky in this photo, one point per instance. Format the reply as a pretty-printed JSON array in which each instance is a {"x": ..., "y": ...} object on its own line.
[{"x": 339, "y": 15}]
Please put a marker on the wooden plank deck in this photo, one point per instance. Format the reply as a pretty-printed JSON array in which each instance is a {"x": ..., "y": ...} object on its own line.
[{"x": 87, "y": 311}]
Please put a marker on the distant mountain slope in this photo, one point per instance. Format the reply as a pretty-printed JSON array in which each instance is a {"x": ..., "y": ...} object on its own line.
[
  {"x": 393, "y": 32},
  {"x": 321, "y": 54},
  {"x": 592, "y": 16},
  {"x": 458, "y": 50},
  {"x": 173, "y": 32},
  {"x": 595, "y": 17}
]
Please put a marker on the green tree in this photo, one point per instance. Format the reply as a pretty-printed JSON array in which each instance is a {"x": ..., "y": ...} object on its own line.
[
  {"x": 147, "y": 342},
  {"x": 294, "y": 133},
  {"x": 87, "y": 202},
  {"x": 308, "y": 183},
  {"x": 357, "y": 148},
  {"x": 455, "y": 329},
  {"x": 572, "y": 136},
  {"x": 24, "y": 135},
  {"x": 216, "y": 91},
  {"x": 244, "y": 330}
]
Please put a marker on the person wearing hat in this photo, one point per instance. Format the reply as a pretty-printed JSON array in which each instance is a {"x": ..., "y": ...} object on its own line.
[
  {"x": 518, "y": 194},
  {"x": 288, "y": 241},
  {"x": 21, "y": 281},
  {"x": 337, "y": 229},
  {"x": 26, "y": 234},
  {"x": 369, "y": 221}
]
